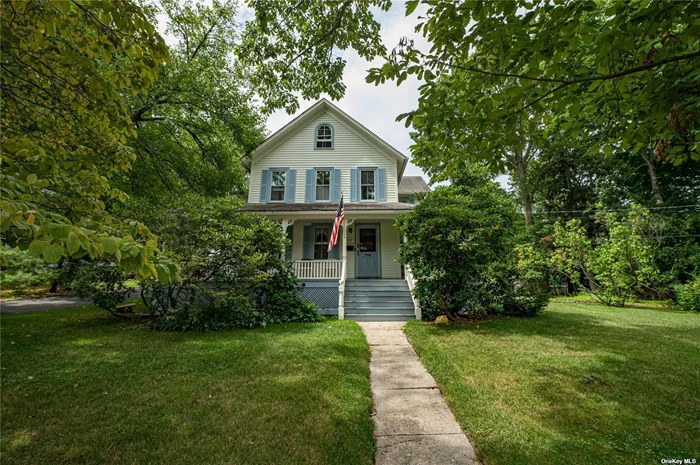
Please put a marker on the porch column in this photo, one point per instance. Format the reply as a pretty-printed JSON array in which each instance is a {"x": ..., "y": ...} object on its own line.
[{"x": 341, "y": 283}]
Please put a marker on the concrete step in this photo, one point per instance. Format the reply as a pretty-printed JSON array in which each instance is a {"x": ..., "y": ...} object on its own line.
[
  {"x": 364, "y": 302},
  {"x": 378, "y": 317},
  {"x": 377, "y": 283},
  {"x": 376, "y": 290},
  {"x": 380, "y": 311}
]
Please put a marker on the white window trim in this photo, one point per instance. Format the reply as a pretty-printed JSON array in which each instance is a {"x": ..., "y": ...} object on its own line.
[
  {"x": 286, "y": 180},
  {"x": 359, "y": 183},
  {"x": 330, "y": 184}
]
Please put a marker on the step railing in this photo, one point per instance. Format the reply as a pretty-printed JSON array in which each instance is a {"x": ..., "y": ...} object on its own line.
[
  {"x": 411, "y": 286},
  {"x": 317, "y": 269}
]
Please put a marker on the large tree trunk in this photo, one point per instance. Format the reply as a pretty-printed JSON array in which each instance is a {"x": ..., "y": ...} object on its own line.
[
  {"x": 655, "y": 189},
  {"x": 520, "y": 172}
]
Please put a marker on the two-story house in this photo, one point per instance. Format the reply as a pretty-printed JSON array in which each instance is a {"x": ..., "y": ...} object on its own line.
[{"x": 297, "y": 177}]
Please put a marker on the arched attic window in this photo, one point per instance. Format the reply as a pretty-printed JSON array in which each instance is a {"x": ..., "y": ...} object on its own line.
[{"x": 324, "y": 136}]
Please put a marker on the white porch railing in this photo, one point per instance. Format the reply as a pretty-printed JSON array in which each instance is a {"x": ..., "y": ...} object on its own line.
[
  {"x": 318, "y": 269},
  {"x": 411, "y": 285}
]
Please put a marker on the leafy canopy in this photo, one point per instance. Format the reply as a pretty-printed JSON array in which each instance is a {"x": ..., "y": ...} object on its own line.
[
  {"x": 630, "y": 68},
  {"x": 289, "y": 47},
  {"x": 199, "y": 118},
  {"x": 65, "y": 127}
]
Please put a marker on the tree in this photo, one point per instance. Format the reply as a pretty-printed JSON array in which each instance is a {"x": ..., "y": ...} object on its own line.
[
  {"x": 199, "y": 118},
  {"x": 65, "y": 127},
  {"x": 632, "y": 65},
  {"x": 289, "y": 47},
  {"x": 459, "y": 245}
]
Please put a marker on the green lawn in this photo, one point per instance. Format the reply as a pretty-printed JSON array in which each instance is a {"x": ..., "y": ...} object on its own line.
[
  {"x": 579, "y": 384},
  {"x": 79, "y": 387}
]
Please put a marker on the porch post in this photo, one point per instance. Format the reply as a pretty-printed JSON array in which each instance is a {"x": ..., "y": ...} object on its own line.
[
  {"x": 285, "y": 225},
  {"x": 341, "y": 283}
]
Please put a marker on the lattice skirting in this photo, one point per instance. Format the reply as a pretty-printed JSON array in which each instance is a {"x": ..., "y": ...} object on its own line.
[{"x": 322, "y": 293}]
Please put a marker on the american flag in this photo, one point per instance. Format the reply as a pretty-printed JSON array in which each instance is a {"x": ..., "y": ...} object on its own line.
[{"x": 339, "y": 217}]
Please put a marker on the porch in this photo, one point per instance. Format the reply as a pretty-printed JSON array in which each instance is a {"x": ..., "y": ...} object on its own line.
[{"x": 364, "y": 260}]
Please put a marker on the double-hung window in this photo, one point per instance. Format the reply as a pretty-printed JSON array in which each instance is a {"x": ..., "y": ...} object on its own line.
[
  {"x": 367, "y": 187},
  {"x": 321, "y": 236},
  {"x": 279, "y": 180},
  {"x": 323, "y": 185}
]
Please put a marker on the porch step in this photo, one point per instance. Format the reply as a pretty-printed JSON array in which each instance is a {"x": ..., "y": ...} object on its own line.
[
  {"x": 378, "y": 317},
  {"x": 378, "y": 300}
]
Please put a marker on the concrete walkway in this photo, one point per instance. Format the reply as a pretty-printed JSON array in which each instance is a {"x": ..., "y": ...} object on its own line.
[{"x": 412, "y": 421}]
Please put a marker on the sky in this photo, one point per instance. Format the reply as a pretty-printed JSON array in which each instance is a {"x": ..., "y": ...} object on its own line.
[{"x": 376, "y": 107}]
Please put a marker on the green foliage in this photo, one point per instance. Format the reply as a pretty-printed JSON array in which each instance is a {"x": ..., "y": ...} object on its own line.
[
  {"x": 289, "y": 47},
  {"x": 65, "y": 127},
  {"x": 626, "y": 67},
  {"x": 615, "y": 268},
  {"x": 233, "y": 270},
  {"x": 20, "y": 270},
  {"x": 199, "y": 118},
  {"x": 101, "y": 282},
  {"x": 459, "y": 245},
  {"x": 688, "y": 295}
]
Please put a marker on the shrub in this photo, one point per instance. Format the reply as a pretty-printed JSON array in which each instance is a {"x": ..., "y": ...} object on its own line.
[
  {"x": 459, "y": 245},
  {"x": 20, "y": 271},
  {"x": 688, "y": 295},
  {"x": 232, "y": 266},
  {"x": 102, "y": 282}
]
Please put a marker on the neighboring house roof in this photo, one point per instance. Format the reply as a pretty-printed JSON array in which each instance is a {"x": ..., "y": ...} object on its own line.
[
  {"x": 410, "y": 185},
  {"x": 309, "y": 115},
  {"x": 308, "y": 207}
]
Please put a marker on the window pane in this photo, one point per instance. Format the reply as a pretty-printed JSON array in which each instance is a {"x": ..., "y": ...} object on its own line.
[
  {"x": 323, "y": 178},
  {"x": 367, "y": 192},
  {"x": 323, "y": 193},
  {"x": 278, "y": 178},
  {"x": 321, "y": 252},
  {"x": 277, "y": 193},
  {"x": 323, "y": 144},
  {"x": 322, "y": 235},
  {"x": 367, "y": 177},
  {"x": 368, "y": 240}
]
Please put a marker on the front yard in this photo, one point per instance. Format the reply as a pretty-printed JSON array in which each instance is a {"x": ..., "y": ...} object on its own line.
[
  {"x": 579, "y": 384},
  {"x": 79, "y": 387}
]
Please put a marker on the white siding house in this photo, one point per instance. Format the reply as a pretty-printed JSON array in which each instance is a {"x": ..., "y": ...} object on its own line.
[{"x": 298, "y": 177}]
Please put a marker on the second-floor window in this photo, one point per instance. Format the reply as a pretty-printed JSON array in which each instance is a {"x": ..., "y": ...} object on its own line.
[
  {"x": 367, "y": 185},
  {"x": 323, "y": 185},
  {"x": 321, "y": 236},
  {"x": 279, "y": 179},
  {"x": 324, "y": 136}
]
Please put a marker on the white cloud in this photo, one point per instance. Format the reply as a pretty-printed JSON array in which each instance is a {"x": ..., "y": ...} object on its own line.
[{"x": 376, "y": 107}]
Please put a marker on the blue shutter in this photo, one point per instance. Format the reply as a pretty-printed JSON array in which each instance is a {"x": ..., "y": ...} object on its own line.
[
  {"x": 310, "y": 183},
  {"x": 266, "y": 180},
  {"x": 381, "y": 185},
  {"x": 335, "y": 252},
  {"x": 290, "y": 236},
  {"x": 335, "y": 185},
  {"x": 290, "y": 189},
  {"x": 308, "y": 253},
  {"x": 354, "y": 185}
]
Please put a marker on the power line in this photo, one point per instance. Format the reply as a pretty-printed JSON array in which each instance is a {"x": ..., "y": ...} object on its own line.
[{"x": 556, "y": 212}]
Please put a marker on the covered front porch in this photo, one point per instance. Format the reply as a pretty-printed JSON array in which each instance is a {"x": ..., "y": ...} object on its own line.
[{"x": 367, "y": 249}]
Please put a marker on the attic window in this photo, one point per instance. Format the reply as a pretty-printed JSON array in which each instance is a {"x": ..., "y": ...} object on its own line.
[{"x": 324, "y": 136}]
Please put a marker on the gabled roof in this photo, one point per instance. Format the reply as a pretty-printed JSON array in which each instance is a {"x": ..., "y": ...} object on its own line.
[
  {"x": 351, "y": 124},
  {"x": 410, "y": 185}
]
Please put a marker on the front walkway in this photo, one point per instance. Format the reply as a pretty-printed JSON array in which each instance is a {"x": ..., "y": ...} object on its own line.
[{"x": 412, "y": 421}]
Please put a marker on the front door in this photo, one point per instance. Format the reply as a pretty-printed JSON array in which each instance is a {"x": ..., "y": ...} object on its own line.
[{"x": 368, "y": 251}]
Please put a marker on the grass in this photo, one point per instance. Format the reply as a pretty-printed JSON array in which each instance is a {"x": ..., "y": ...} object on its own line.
[
  {"x": 79, "y": 387},
  {"x": 579, "y": 384},
  {"x": 584, "y": 297},
  {"x": 32, "y": 292}
]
